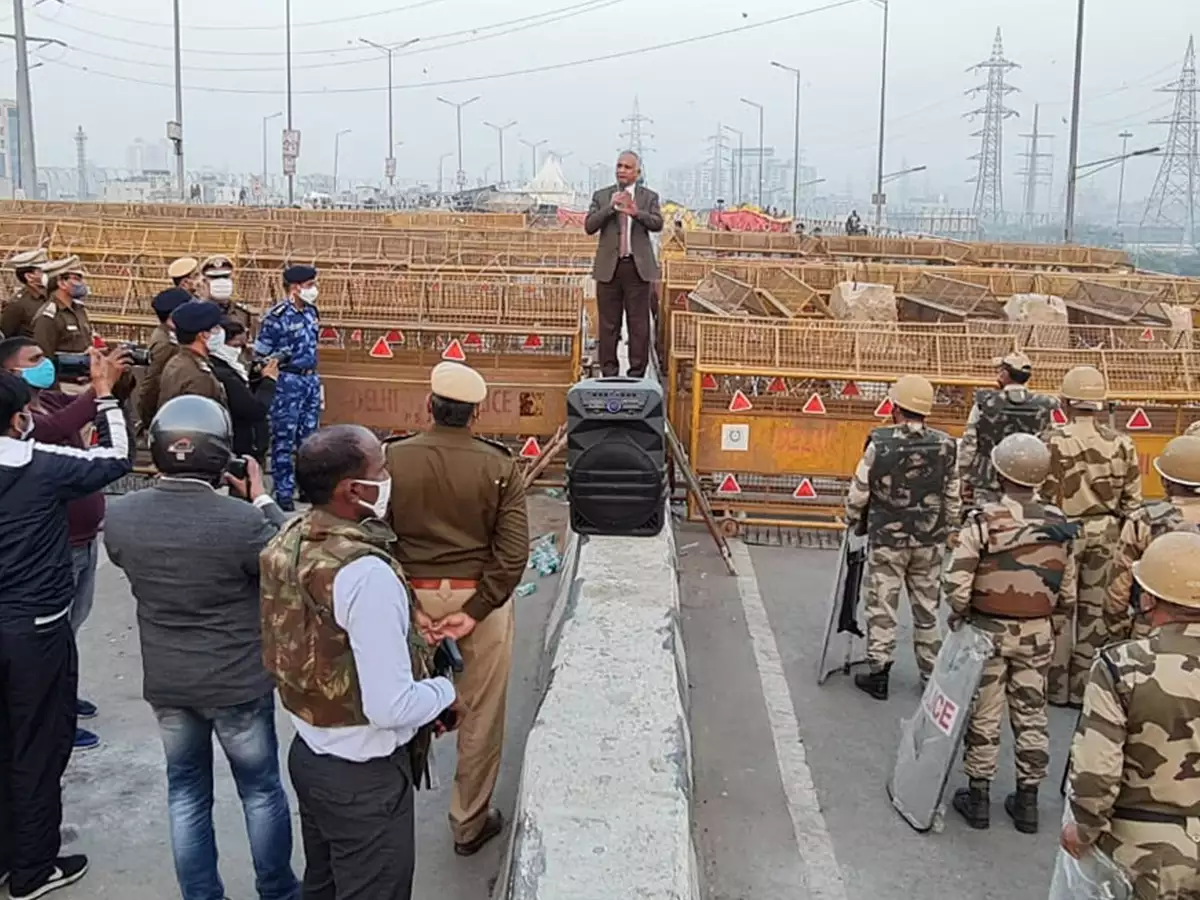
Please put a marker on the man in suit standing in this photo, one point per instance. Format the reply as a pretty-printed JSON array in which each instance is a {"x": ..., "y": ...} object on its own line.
[{"x": 624, "y": 214}]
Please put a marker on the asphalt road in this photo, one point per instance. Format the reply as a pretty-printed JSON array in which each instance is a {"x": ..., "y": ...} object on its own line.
[
  {"x": 762, "y": 728},
  {"x": 115, "y": 796}
]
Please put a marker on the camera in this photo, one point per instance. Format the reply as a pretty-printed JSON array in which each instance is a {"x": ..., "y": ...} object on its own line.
[
  {"x": 256, "y": 364},
  {"x": 76, "y": 366},
  {"x": 236, "y": 467}
]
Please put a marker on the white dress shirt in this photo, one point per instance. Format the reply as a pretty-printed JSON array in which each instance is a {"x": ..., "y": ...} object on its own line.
[
  {"x": 371, "y": 604},
  {"x": 627, "y": 221}
]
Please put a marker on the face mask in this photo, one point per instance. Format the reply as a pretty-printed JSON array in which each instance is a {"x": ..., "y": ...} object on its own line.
[
  {"x": 44, "y": 280},
  {"x": 380, "y": 507},
  {"x": 78, "y": 290},
  {"x": 221, "y": 288},
  {"x": 309, "y": 294},
  {"x": 26, "y": 428},
  {"x": 215, "y": 340},
  {"x": 40, "y": 376}
]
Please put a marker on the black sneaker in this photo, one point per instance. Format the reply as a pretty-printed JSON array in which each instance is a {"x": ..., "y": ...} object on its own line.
[
  {"x": 85, "y": 709},
  {"x": 67, "y": 870}
]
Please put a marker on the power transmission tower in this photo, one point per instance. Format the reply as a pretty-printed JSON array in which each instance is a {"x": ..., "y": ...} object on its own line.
[
  {"x": 989, "y": 185},
  {"x": 81, "y": 163},
  {"x": 634, "y": 136},
  {"x": 1033, "y": 172},
  {"x": 717, "y": 158},
  {"x": 1173, "y": 200}
]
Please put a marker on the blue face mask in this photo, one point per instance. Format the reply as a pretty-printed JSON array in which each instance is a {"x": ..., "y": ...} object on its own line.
[
  {"x": 40, "y": 376},
  {"x": 78, "y": 290}
]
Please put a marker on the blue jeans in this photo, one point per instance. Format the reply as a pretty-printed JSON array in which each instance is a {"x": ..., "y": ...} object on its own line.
[
  {"x": 247, "y": 735},
  {"x": 83, "y": 567}
]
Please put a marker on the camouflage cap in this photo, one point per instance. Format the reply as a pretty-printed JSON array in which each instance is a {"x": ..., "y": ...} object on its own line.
[
  {"x": 1180, "y": 461},
  {"x": 1016, "y": 361},
  {"x": 27, "y": 259},
  {"x": 454, "y": 381},
  {"x": 1022, "y": 459},
  {"x": 913, "y": 393},
  {"x": 1170, "y": 568}
]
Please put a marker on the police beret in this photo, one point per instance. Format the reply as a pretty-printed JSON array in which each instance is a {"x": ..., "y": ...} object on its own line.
[
  {"x": 166, "y": 302},
  {"x": 182, "y": 267},
  {"x": 196, "y": 316},
  {"x": 298, "y": 274},
  {"x": 67, "y": 266},
  {"x": 28, "y": 258},
  {"x": 454, "y": 381},
  {"x": 216, "y": 265}
]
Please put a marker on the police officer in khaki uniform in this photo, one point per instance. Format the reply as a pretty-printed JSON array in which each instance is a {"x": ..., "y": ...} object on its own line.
[
  {"x": 17, "y": 318},
  {"x": 217, "y": 285},
  {"x": 188, "y": 371},
  {"x": 458, "y": 511},
  {"x": 185, "y": 273},
  {"x": 1134, "y": 789},
  {"x": 62, "y": 326},
  {"x": 163, "y": 346}
]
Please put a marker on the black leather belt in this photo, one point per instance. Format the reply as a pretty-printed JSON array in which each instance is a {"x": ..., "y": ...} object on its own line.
[
  {"x": 1146, "y": 815},
  {"x": 292, "y": 370}
]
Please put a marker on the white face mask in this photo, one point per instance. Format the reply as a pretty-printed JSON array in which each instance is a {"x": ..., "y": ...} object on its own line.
[
  {"x": 309, "y": 294},
  {"x": 221, "y": 288},
  {"x": 215, "y": 340},
  {"x": 379, "y": 508}
]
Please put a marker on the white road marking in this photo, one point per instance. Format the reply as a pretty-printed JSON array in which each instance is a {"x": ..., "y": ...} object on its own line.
[{"x": 812, "y": 836}]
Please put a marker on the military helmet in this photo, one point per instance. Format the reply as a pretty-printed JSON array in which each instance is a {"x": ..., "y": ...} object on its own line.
[
  {"x": 1022, "y": 459},
  {"x": 1170, "y": 568},
  {"x": 1085, "y": 384},
  {"x": 1180, "y": 461},
  {"x": 191, "y": 435},
  {"x": 913, "y": 393}
]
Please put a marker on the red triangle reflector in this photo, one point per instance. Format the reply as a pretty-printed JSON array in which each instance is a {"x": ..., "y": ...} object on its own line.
[
  {"x": 851, "y": 390},
  {"x": 708, "y": 383},
  {"x": 1058, "y": 417},
  {"x": 729, "y": 485},
  {"x": 98, "y": 342},
  {"x": 531, "y": 450},
  {"x": 381, "y": 350},
  {"x": 356, "y": 336},
  {"x": 1139, "y": 421},
  {"x": 884, "y": 409},
  {"x": 328, "y": 333},
  {"x": 805, "y": 490},
  {"x": 1148, "y": 335},
  {"x": 740, "y": 402},
  {"x": 777, "y": 386},
  {"x": 395, "y": 336},
  {"x": 815, "y": 406},
  {"x": 472, "y": 340},
  {"x": 533, "y": 342},
  {"x": 454, "y": 352}
]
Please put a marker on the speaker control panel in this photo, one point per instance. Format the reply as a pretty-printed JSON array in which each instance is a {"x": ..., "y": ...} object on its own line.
[{"x": 613, "y": 402}]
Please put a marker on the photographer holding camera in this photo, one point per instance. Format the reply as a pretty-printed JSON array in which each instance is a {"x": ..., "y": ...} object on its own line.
[
  {"x": 61, "y": 419},
  {"x": 249, "y": 388},
  {"x": 191, "y": 555}
]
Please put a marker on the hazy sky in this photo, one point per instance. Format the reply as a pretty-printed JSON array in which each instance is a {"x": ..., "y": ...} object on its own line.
[{"x": 686, "y": 89}]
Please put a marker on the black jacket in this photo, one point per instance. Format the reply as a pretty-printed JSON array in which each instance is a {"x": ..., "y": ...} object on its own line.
[
  {"x": 248, "y": 409},
  {"x": 37, "y": 481}
]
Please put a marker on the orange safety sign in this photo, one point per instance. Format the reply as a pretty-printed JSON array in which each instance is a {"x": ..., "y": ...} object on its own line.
[
  {"x": 395, "y": 336},
  {"x": 851, "y": 390},
  {"x": 532, "y": 342},
  {"x": 740, "y": 402},
  {"x": 708, "y": 382},
  {"x": 472, "y": 340},
  {"x": 531, "y": 449},
  {"x": 777, "y": 386},
  {"x": 729, "y": 485},
  {"x": 356, "y": 336},
  {"x": 454, "y": 352},
  {"x": 381, "y": 349},
  {"x": 815, "y": 406},
  {"x": 805, "y": 490},
  {"x": 328, "y": 333},
  {"x": 884, "y": 409},
  {"x": 1139, "y": 421}
]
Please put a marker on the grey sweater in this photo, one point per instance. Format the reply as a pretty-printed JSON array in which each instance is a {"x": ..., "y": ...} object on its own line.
[{"x": 191, "y": 556}]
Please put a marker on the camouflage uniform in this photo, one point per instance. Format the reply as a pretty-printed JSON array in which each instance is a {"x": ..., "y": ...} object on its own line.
[
  {"x": 996, "y": 415},
  {"x": 1135, "y": 790},
  {"x": 905, "y": 485},
  {"x": 1094, "y": 479},
  {"x": 1012, "y": 567},
  {"x": 1154, "y": 519}
]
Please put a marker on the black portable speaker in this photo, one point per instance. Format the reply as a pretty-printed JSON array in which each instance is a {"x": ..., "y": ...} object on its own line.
[{"x": 616, "y": 456}]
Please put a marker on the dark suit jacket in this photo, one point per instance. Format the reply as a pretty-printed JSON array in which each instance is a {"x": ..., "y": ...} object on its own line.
[{"x": 603, "y": 218}]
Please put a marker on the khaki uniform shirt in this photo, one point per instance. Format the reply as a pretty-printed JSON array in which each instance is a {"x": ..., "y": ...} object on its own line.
[
  {"x": 62, "y": 329},
  {"x": 1093, "y": 471},
  {"x": 458, "y": 510},
  {"x": 162, "y": 347},
  {"x": 189, "y": 373},
  {"x": 1135, "y": 538},
  {"x": 17, "y": 318}
]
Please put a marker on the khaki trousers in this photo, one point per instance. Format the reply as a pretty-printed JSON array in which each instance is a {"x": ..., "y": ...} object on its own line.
[{"x": 483, "y": 692}]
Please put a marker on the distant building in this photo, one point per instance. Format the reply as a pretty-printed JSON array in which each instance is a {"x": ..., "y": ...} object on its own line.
[{"x": 10, "y": 148}]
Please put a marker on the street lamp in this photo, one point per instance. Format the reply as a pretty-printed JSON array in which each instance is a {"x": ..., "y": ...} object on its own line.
[
  {"x": 291, "y": 175},
  {"x": 795, "y": 141},
  {"x": 759, "y": 107},
  {"x": 1100, "y": 165},
  {"x": 461, "y": 178},
  {"x": 441, "y": 160},
  {"x": 1073, "y": 157},
  {"x": 388, "y": 51},
  {"x": 500, "y": 129},
  {"x": 337, "y": 140},
  {"x": 892, "y": 176},
  {"x": 882, "y": 116},
  {"x": 533, "y": 149},
  {"x": 735, "y": 172},
  {"x": 1124, "y": 136},
  {"x": 266, "y": 119}
]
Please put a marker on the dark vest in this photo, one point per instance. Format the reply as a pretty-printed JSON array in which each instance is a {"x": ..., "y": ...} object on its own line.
[
  {"x": 907, "y": 483},
  {"x": 1002, "y": 413}
]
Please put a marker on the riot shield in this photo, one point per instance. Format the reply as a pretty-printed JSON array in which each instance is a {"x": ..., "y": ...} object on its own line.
[
  {"x": 929, "y": 741},
  {"x": 1094, "y": 877},
  {"x": 843, "y": 633}
]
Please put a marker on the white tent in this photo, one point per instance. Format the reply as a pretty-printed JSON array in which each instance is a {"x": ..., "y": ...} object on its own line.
[{"x": 550, "y": 187}]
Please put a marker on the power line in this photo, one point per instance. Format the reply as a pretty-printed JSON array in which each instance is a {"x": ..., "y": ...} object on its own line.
[
  {"x": 534, "y": 70},
  {"x": 338, "y": 21}
]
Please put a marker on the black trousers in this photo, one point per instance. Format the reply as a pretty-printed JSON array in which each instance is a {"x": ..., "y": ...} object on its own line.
[
  {"x": 39, "y": 673},
  {"x": 626, "y": 296},
  {"x": 357, "y": 822}
]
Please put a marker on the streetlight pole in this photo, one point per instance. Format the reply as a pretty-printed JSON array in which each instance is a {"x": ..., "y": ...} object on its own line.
[
  {"x": 266, "y": 119},
  {"x": 461, "y": 178},
  {"x": 1073, "y": 162},
  {"x": 178, "y": 104},
  {"x": 500, "y": 129},
  {"x": 441, "y": 160},
  {"x": 735, "y": 172},
  {"x": 388, "y": 51},
  {"x": 761, "y": 150},
  {"x": 1124, "y": 136},
  {"x": 795, "y": 141},
  {"x": 291, "y": 176},
  {"x": 533, "y": 149},
  {"x": 337, "y": 139},
  {"x": 882, "y": 117}
]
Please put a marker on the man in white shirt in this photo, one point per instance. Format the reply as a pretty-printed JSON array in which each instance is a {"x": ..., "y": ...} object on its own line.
[{"x": 336, "y": 617}]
